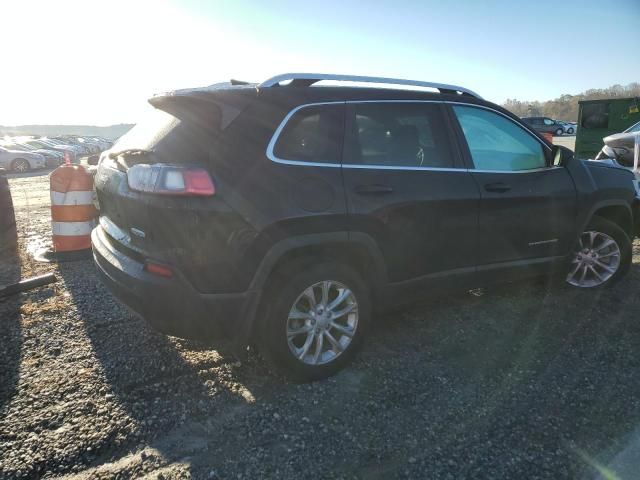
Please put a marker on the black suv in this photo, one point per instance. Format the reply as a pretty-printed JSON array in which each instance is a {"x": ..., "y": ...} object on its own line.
[
  {"x": 544, "y": 125},
  {"x": 285, "y": 214}
]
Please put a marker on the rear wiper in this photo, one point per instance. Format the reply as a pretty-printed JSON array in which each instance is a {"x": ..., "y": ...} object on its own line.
[
  {"x": 123, "y": 158},
  {"x": 129, "y": 152}
]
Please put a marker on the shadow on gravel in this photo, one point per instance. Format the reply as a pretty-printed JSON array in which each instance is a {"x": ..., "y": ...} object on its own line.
[
  {"x": 526, "y": 381},
  {"x": 161, "y": 382},
  {"x": 11, "y": 336}
]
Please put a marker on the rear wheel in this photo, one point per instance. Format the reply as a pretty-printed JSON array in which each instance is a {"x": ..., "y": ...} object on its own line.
[
  {"x": 601, "y": 257},
  {"x": 20, "y": 165},
  {"x": 317, "y": 318},
  {"x": 559, "y": 132},
  {"x": 570, "y": 130}
]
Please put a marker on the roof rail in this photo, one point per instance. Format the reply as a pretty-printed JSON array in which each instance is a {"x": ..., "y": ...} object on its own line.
[{"x": 308, "y": 79}]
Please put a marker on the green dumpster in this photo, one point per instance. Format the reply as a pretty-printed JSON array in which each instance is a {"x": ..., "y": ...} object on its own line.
[{"x": 600, "y": 118}]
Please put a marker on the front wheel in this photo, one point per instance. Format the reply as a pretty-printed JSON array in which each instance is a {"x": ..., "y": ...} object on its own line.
[
  {"x": 602, "y": 255},
  {"x": 570, "y": 131},
  {"x": 317, "y": 318},
  {"x": 559, "y": 132}
]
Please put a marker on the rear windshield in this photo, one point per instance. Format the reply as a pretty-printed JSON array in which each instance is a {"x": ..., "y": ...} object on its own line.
[
  {"x": 150, "y": 130},
  {"x": 186, "y": 135}
]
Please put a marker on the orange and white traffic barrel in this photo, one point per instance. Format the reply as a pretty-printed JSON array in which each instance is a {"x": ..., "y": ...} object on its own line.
[{"x": 73, "y": 213}]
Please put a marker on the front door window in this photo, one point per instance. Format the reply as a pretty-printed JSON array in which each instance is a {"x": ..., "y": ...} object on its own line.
[{"x": 496, "y": 143}]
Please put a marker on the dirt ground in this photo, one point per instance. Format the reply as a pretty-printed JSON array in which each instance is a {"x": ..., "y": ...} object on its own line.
[
  {"x": 520, "y": 382},
  {"x": 568, "y": 141}
]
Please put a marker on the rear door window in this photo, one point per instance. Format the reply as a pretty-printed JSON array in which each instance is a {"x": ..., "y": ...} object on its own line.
[
  {"x": 397, "y": 134},
  {"x": 312, "y": 134}
]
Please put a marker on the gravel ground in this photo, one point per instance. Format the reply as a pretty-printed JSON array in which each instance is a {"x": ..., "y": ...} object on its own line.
[{"x": 520, "y": 382}]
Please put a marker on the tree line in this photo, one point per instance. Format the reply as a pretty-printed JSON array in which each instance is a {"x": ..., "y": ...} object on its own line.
[{"x": 565, "y": 107}]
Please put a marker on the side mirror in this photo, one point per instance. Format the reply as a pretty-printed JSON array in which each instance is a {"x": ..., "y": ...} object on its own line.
[{"x": 560, "y": 155}]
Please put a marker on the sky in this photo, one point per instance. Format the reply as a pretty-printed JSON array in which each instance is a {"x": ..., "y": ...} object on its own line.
[{"x": 97, "y": 61}]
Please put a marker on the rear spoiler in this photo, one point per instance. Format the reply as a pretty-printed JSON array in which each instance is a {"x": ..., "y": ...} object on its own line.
[{"x": 199, "y": 100}]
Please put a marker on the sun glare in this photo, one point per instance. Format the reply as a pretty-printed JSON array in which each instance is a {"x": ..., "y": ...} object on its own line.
[{"x": 100, "y": 62}]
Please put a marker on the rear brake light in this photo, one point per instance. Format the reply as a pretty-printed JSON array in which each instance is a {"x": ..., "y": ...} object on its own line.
[
  {"x": 170, "y": 180},
  {"x": 158, "y": 269}
]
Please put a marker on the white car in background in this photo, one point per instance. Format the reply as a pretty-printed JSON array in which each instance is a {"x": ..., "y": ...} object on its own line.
[
  {"x": 21, "y": 162},
  {"x": 569, "y": 127}
]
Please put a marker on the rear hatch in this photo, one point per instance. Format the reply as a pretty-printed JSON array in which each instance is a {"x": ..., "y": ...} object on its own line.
[{"x": 188, "y": 233}]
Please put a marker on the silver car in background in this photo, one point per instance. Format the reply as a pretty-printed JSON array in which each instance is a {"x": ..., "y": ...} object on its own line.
[
  {"x": 20, "y": 162},
  {"x": 53, "y": 158},
  {"x": 40, "y": 143}
]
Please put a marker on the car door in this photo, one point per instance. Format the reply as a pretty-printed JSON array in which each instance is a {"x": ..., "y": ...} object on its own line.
[
  {"x": 406, "y": 187},
  {"x": 528, "y": 207}
]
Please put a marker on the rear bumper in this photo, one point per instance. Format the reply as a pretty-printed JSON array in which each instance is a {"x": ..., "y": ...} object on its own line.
[{"x": 172, "y": 305}]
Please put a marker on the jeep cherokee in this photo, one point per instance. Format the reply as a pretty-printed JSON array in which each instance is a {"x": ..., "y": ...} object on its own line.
[{"x": 284, "y": 214}]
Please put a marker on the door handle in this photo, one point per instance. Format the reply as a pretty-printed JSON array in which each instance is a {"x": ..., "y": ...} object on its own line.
[
  {"x": 497, "y": 187},
  {"x": 373, "y": 189}
]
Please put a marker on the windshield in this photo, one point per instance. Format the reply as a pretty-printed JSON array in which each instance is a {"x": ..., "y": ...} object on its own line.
[
  {"x": 634, "y": 128},
  {"x": 26, "y": 146},
  {"x": 13, "y": 146}
]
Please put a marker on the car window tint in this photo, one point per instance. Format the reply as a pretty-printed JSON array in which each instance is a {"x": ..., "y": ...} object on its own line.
[
  {"x": 548, "y": 121},
  {"x": 397, "y": 134},
  {"x": 313, "y": 134},
  {"x": 496, "y": 143}
]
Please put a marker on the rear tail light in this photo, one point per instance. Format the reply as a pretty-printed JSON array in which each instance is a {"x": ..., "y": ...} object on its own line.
[{"x": 170, "y": 180}]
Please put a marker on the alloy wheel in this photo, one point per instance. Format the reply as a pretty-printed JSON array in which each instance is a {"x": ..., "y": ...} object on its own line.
[
  {"x": 21, "y": 166},
  {"x": 322, "y": 322},
  {"x": 596, "y": 260}
]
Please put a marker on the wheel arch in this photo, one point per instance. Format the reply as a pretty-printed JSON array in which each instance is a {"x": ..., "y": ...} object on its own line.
[
  {"x": 616, "y": 212},
  {"x": 17, "y": 159},
  {"x": 358, "y": 250}
]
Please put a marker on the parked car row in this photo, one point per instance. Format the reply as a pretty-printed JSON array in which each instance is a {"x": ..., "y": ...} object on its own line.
[
  {"x": 548, "y": 125},
  {"x": 22, "y": 154}
]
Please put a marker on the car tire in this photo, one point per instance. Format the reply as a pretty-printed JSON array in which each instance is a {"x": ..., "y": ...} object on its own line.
[
  {"x": 325, "y": 344},
  {"x": 570, "y": 131},
  {"x": 20, "y": 165},
  {"x": 559, "y": 132},
  {"x": 602, "y": 256}
]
